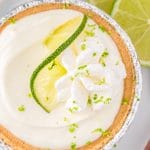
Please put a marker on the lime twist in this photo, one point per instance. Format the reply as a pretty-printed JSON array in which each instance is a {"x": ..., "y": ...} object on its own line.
[{"x": 47, "y": 72}]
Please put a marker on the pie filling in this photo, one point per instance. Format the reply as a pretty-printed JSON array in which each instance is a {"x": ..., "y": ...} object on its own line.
[{"x": 62, "y": 79}]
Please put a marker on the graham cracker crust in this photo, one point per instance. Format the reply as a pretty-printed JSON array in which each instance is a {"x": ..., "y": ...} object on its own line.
[{"x": 129, "y": 82}]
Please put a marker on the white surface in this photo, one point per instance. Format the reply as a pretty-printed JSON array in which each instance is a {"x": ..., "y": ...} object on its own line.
[{"x": 139, "y": 132}]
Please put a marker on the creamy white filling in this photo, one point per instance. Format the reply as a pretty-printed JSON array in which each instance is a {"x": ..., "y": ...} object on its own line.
[
  {"x": 21, "y": 49},
  {"x": 89, "y": 73}
]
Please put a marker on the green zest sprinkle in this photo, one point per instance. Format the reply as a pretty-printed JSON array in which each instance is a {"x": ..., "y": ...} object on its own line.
[
  {"x": 73, "y": 127},
  {"x": 107, "y": 100},
  {"x": 89, "y": 33},
  {"x": 95, "y": 96},
  {"x": 125, "y": 101},
  {"x": 101, "y": 99},
  {"x": 21, "y": 108},
  {"x": 98, "y": 100},
  {"x": 105, "y": 54},
  {"x": 73, "y": 109},
  {"x": 52, "y": 65},
  {"x": 83, "y": 47},
  {"x": 12, "y": 20},
  {"x": 30, "y": 95},
  {"x": 91, "y": 25},
  {"x": 102, "y": 81},
  {"x": 47, "y": 99},
  {"x": 82, "y": 67},
  {"x": 71, "y": 78},
  {"x": 100, "y": 130},
  {"x": 89, "y": 102},
  {"x": 73, "y": 146},
  {"x": 77, "y": 74},
  {"x": 102, "y": 62},
  {"x": 65, "y": 119},
  {"x": 84, "y": 39},
  {"x": 87, "y": 72},
  {"x": 94, "y": 54},
  {"x": 102, "y": 28},
  {"x": 102, "y": 58},
  {"x": 82, "y": 71},
  {"x": 74, "y": 101},
  {"x": 74, "y": 137}
]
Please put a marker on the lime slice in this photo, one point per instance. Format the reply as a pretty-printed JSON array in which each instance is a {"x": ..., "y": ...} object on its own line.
[
  {"x": 105, "y": 5},
  {"x": 44, "y": 76},
  {"x": 134, "y": 17}
]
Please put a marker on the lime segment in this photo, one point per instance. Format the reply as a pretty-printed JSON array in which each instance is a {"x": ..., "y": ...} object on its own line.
[
  {"x": 105, "y": 5},
  {"x": 134, "y": 17}
]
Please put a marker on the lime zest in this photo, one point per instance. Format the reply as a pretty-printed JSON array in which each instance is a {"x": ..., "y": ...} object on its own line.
[
  {"x": 73, "y": 146},
  {"x": 103, "y": 57},
  {"x": 102, "y": 81},
  {"x": 21, "y": 108},
  {"x": 30, "y": 95},
  {"x": 12, "y": 20},
  {"x": 102, "y": 28},
  {"x": 66, "y": 119},
  {"x": 100, "y": 99},
  {"x": 101, "y": 131},
  {"x": 73, "y": 109},
  {"x": 73, "y": 127},
  {"x": 82, "y": 67},
  {"x": 94, "y": 54},
  {"x": 83, "y": 46},
  {"x": 89, "y": 102}
]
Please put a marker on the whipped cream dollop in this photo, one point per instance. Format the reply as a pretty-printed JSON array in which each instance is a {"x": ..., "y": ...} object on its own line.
[{"x": 90, "y": 72}]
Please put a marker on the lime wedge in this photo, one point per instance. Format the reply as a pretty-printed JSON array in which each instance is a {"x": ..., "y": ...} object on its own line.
[
  {"x": 105, "y": 5},
  {"x": 134, "y": 17}
]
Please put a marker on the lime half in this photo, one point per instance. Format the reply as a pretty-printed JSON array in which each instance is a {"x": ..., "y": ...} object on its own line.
[
  {"x": 105, "y": 5},
  {"x": 134, "y": 17}
]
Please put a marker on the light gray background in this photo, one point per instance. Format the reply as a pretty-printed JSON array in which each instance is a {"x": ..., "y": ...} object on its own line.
[{"x": 138, "y": 133}]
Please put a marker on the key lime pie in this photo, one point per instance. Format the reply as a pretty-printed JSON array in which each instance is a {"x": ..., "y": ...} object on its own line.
[{"x": 67, "y": 79}]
